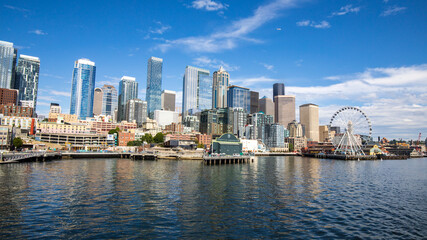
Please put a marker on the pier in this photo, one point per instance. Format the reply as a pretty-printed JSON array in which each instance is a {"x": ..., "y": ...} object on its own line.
[
  {"x": 29, "y": 157},
  {"x": 143, "y": 156},
  {"x": 355, "y": 157},
  {"x": 218, "y": 160}
]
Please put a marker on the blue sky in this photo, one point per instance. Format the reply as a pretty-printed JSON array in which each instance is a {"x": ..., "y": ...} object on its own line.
[{"x": 370, "y": 54}]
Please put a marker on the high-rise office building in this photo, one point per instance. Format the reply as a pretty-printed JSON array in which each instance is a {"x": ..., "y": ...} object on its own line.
[
  {"x": 109, "y": 100},
  {"x": 97, "y": 101},
  {"x": 257, "y": 121},
  {"x": 136, "y": 110},
  {"x": 239, "y": 97},
  {"x": 254, "y": 102},
  {"x": 7, "y": 64},
  {"x": 284, "y": 109},
  {"x": 128, "y": 89},
  {"x": 221, "y": 82},
  {"x": 168, "y": 100},
  {"x": 27, "y": 79},
  {"x": 309, "y": 118},
  {"x": 55, "y": 108},
  {"x": 278, "y": 90},
  {"x": 239, "y": 117},
  {"x": 266, "y": 106},
  {"x": 274, "y": 135},
  {"x": 154, "y": 85},
  {"x": 83, "y": 88},
  {"x": 197, "y": 90}
]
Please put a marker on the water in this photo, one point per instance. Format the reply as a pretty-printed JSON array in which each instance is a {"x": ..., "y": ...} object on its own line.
[{"x": 274, "y": 197}]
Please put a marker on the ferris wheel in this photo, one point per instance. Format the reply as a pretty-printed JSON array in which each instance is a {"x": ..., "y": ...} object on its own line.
[{"x": 353, "y": 130}]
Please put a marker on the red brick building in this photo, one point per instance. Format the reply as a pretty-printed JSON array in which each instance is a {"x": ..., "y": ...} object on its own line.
[
  {"x": 125, "y": 137},
  {"x": 8, "y": 96},
  {"x": 16, "y": 111},
  {"x": 204, "y": 139}
]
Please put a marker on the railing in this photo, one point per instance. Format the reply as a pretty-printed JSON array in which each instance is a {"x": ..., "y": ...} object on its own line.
[{"x": 21, "y": 157}]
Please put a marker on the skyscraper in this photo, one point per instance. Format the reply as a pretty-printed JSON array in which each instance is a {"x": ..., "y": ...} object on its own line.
[
  {"x": 27, "y": 78},
  {"x": 7, "y": 63},
  {"x": 266, "y": 106},
  {"x": 109, "y": 100},
  {"x": 168, "y": 100},
  {"x": 197, "y": 90},
  {"x": 309, "y": 118},
  {"x": 136, "y": 110},
  {"x": 278, "y": 90},
  {"x": 284, "y": 109},
  {"x": 83, "y": 88},
  {"x": 221, "y": 82},
  {"x": 239, "y": 97},
  {"x": 154, "y": 85},
  {"x": 254, "y": 102},
  {"x": 97, "y": 101},
  {"x": 128, "y": 89}
]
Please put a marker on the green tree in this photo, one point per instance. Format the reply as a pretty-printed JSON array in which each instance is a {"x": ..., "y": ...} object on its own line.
[
  {"x": 142, "y": 139},
  {"x": 17, "y": 142},
  {"x": 200, "y": 145},
  {"x": 291, "y": 147},
  {"x": 148, "y": 138},
  {"x": 158, "y": 138},
  {"x": 116, "y": 130}
]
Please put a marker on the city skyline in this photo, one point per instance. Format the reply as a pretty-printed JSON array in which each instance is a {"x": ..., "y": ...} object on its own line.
[{"x": 379, "y": 71}]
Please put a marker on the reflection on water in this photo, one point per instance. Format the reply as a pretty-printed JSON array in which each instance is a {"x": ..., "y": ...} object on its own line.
[{"x": 274, "y": 197}]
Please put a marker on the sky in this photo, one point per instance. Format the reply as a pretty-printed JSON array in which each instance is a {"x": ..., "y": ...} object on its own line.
[{"x": 370, "y": 54}]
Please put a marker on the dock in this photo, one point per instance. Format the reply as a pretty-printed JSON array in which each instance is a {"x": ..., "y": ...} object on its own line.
[
  {"x": 29, "y": 157},
  {"x": 218, "y": 160},
  {"x": 143, "y": 156}
]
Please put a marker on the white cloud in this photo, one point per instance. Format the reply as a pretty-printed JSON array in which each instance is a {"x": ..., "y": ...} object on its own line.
[
  {"x": 213, "y": 63},
  {"x": 38, "y": 32},
  {"x": 395, "y": 99},
  {"x": 60, "y": 93},
  {"x": 392, "y": 11},
  {"x": 51, "y": 76},
  {"x": 114, "y": 81},
  {"x": 208, "y": 5},
  {"x": 42, "y": 103},
  {"x": 247, "y": 82},
  {"x": 308, "y": 23},
  {"x": 158, "y": 29},
  {"x": 228, "y": 37},
  {"x": 16, "y": 8},
  {"x": 346, "y": 9},
  {"x": 46, "y": 98},
  {"x": 299, "y": 62},
  {"x": 268, "y": 66}
]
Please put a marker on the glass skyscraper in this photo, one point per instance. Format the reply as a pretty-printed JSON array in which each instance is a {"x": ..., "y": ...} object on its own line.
[
  {"x": 7, "y": 64},
  {"x": 27, "y": 79},
  {"x": 278, "y": 90},
  {"x": 239, "y": 97},
  {"x": 154, "y": 85},
  {"x": 109, "y": 100},
  {"x": 197, "y": 90},
  {"x": 221, "y": 82},
  {"x": 128, "y": 89},
  {"x": 83, "y": 88}
]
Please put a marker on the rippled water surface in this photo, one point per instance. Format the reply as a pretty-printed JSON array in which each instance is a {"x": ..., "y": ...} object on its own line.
[{"x": 274, "y": 197}]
